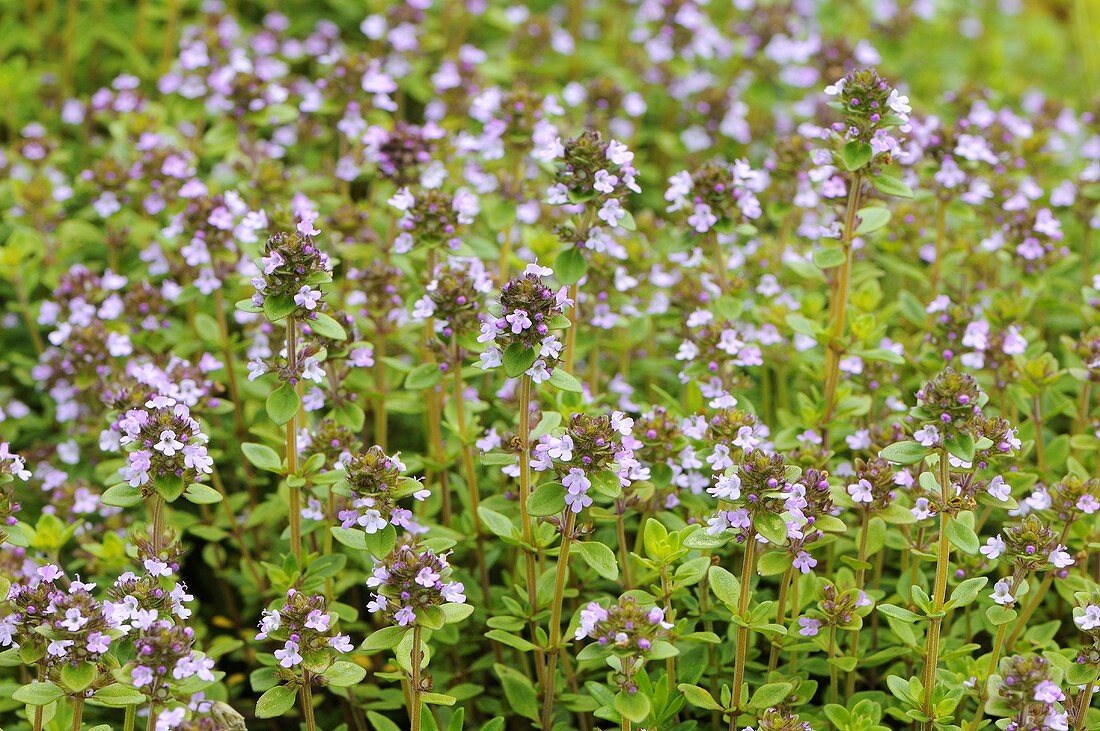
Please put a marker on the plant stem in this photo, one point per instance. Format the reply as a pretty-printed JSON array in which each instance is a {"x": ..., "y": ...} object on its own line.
[
  {"x": 861, "y": 575},
  {"x": 469, "y": 471},
  {"x": 380, "y": 417},
  {"x": 292, "y": 448},
  {"x": 414, "y": 681},
  {"x": 624, "y": 553},
  {"x": 151, "y": 722},
  {"x": 1037, "y": 422},
  {"x": 529, "y": 548},
  {"x": 834, "y": 680},
  {"x": 720, "y": 261},
  {"x": 553, "y": 648},
  {"x": 991, "y": 666},
  {"x": 307, "y": 701},
  {"x": 780, "y": 614},
  {"x": 941, "y": 232},
  {"x": 1083, "y": 708},
  {"x": 748, "y": 567},
  {"x": 130, "y": 719},
  {"x": 839, "y": 308},
  {"x": 78, "y": 712},
  {"x": 939, "y": 596}
]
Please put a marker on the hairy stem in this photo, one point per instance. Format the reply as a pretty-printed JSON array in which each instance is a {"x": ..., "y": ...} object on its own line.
[
  {"x": 839, "y": 306},
  {"x": 748, "y": 568},
  {"x": 292, "y": 448},
  {"x": 553, "y": 646}
]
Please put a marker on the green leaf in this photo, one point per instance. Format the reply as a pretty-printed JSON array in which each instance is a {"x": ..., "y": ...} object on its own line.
[
  {"x": 423, "y": 376},
  {"x": 343, "y": 674},
  {"x": 37, "y": 694},
  {"x": 966, "y": 592},
  {"x": 908, "y": 452},
  {"x": 548, "y": 499},
  {"x": 200, "y": 494},
  {"x": 772, "y": 527},
  {"x": 891, "y": 186},
  {"x": 283, "y": 404},
  {"x": 724, "y": 585},
  {"x": 855, "y": 155},
  {"x": 512, "y": 640},
  {"x": 564, "y": 381},
  {"x": 518, "y": 690},
  {"x": 961, "y": 446},
  {"x": 276, "y": 308},
  {"x": 117, "y": 695},
  {"x": 828, "y": 257},
  {"x": 518, "y": 359},
  {"x": 327, "y": 327},
  {"x": 627, "y": 222},
  {"x": 770, "y": 695},
  {"x": 350, "y": 537},
  {"x": 998, "y": 615},
  {"x": 599, "y": 558},
  {"x": 569, "y": 266},
  {"x": 121, "y": 496},
  {"x": 170, "y": 487},
  {"x": 383, "y": 639},
  {"x": 263, "y": 457},
  {"x": 275, "y": 702},
  {"x": 699, "y": 697},
  {"x": 871, "y": 219},
  {"x": 634, "y": 706},
  {"x": 380, "y": 723},
  {"x": 962, "y": 536},
  {"x": 498, "y": 523}
]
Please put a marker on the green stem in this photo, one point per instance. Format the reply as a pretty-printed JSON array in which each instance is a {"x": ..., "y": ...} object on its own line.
[
  {"x": 553, "y": 646},
  {"x": 748, "y": 567},
  {"x": 939, "y": 596},
  {"x": 861, "y": 575},
  {"x": 130, "y": 718},
  {"x": 529, "y": 548},
  {"x": 1037, "y": 421},
  {"x": 839, "y": 306},
  {"x": 78, "y": 712},
  {"x": 780, "y": 614},
  {"x": 834, "y": 676},
  {"x": 292, "y": 448},
  {"x": 414, "y": 681},
  {"x": 307, "y": 701}
]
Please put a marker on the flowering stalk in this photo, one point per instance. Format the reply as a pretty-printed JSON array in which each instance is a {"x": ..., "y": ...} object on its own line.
[
  {"x": 553, "y": 646},
  {"x": 306, "y": 697},
  {"x": 470, "y": 472},
  {"x": 838, "y": 309},
  {"x": 861, "y": 573},
  {"x": 748, "y": 568},
  {"x": 78, "y": 712},
  {"x": 529, "y": 547},
  {"x": 994, "y": 658},
  {"x": 939, "y": 595},
  {"x": 415, "y": 659},
  {"x": 292, "y": 449}
]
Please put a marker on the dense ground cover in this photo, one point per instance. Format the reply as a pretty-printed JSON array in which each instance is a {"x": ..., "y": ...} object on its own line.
[{"x": 650, "y": 365}]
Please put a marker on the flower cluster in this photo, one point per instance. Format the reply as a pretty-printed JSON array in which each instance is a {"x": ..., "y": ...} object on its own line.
[
  {"x": 374, "y": 484},
  {"x": 307, "y": 630},
  {"x": 592, "y": 172},
  {"x": 529, "y": 312},
  {"x": 291, "y": 270},
  {"x": 411, "y": 582},
  {"x": 625, "y": 627},
  {"x": 587, "y": 446},
  {"x": 164, "y": 444}
]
